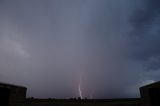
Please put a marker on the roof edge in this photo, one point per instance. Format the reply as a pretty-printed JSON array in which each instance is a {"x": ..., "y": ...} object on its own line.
[{"x": 13, "y": 85}]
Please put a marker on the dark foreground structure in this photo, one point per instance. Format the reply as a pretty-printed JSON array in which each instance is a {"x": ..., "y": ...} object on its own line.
[
  {"x": 150, "y": 94},
  {"x": 12, "y": 95},
  {"x": 83, "y": 102}
]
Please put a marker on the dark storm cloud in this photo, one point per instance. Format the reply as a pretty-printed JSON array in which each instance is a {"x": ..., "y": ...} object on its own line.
[
  {"x": 47, "y": 44},
  {"x": 145, "y": 22},
  {"x": 144, "y": 17}
]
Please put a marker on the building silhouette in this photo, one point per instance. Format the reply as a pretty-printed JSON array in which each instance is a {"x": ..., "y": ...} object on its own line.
[
  {"x": 12, "y": 95},
  {"x": 150, "y": 94}
]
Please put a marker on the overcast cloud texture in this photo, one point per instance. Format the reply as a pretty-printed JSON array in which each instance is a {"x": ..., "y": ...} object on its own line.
[{"x": 47, "y": 45}]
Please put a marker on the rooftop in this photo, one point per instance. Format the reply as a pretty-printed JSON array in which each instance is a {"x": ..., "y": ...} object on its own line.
[
  {"x": 152, "y": 85},
  {"x": 11, "y": 85}
]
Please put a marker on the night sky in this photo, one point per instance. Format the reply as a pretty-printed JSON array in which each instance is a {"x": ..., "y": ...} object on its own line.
[{"x": 111, "y": 47}]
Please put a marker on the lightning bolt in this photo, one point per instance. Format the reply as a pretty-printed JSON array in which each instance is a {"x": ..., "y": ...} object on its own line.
[{"x": 79, "y": 88}]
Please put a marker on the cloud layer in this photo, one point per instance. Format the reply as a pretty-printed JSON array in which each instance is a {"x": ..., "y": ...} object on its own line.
[{"x": 47, "y": 45}]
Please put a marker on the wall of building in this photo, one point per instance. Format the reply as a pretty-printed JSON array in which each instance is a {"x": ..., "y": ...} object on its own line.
[{"x": 17, "y": 94}]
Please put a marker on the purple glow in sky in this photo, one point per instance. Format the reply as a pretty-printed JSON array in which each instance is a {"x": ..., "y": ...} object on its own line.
[{"x": 46, "y": 44}]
